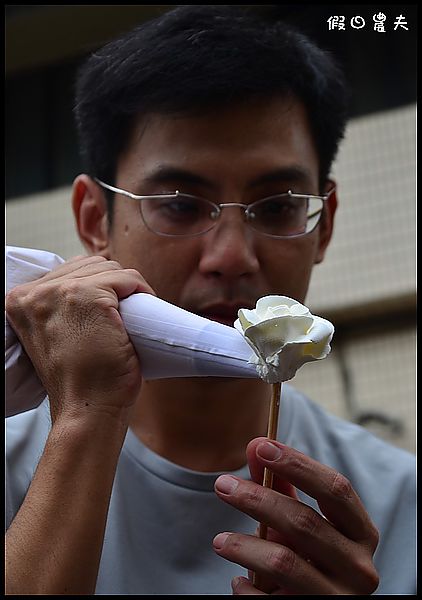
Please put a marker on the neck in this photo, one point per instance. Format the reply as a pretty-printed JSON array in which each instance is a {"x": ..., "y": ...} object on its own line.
[{"x": 203, "y": 424}]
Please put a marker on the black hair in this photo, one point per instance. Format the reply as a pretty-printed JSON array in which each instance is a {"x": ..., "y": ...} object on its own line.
[{"x": 196, "y": 58}]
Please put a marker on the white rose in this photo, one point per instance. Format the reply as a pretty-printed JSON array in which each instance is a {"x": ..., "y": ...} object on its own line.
[{"x": 284, "y": 335}]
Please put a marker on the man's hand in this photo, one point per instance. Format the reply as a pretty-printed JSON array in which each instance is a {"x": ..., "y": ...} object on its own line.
[
  {"x": 69, "y": 325},
  {"x": 304, "y": 553}
]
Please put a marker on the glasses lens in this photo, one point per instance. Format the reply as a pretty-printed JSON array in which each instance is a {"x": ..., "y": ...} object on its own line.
[
  {"x": 285, "y": 215},
  {"x": 178, "y": 214}
]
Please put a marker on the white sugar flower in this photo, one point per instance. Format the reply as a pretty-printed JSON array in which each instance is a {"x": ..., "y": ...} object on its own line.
[{"x": 284, "y": 335}]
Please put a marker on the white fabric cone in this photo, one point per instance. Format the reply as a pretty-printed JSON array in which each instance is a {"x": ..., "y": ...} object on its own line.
[{"x": 170, "y": 341}]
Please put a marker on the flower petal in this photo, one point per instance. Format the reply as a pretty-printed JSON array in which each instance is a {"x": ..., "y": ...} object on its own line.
[{"x": 283, "y": 335}]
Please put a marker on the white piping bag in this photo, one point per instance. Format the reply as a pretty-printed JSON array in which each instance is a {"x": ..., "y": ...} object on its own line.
[{"x": 170, "y": 341}]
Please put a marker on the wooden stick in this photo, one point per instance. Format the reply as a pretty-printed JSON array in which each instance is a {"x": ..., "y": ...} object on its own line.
[{"x": 268, "y": 479}]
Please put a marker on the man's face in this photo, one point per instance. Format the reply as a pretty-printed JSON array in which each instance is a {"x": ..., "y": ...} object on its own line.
[{"x": 241, "y": 154}]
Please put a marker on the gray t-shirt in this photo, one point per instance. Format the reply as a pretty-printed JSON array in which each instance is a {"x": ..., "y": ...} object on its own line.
[{"x": 163, "y": 517}]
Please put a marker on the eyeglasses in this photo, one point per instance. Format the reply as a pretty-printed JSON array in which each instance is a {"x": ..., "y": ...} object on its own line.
[{"x": 178, "y": 214}]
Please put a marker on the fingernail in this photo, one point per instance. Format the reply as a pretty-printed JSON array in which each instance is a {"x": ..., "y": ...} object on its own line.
[
  {"x": 219, "y": 540},
  {"x": 268, "y": 451},
  {"x": 226, "y": 484}
]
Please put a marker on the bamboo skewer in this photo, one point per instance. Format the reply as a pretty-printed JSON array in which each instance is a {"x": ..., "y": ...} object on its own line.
[{"x": 268, "y": 478}]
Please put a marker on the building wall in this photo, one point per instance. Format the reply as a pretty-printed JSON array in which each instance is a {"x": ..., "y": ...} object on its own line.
[{"x": 366, "y": 285}]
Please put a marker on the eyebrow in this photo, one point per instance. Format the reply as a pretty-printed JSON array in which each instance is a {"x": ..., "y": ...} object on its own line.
[
  {"x": 294, "y": 174},
  {"x": 291, "y": 174},
  {"x": 169, "y": 174}
]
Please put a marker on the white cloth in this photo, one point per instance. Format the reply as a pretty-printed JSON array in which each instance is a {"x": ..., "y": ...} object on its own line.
[{"x": 170, "y": 341}]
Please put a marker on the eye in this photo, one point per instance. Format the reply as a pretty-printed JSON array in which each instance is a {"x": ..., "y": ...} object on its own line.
[
  {"x": 277, "y": 207},
  {"x": 179, "y": 208}
]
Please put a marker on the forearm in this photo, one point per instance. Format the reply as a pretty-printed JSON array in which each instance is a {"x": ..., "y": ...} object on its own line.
[{"x": 54, "y": 544}]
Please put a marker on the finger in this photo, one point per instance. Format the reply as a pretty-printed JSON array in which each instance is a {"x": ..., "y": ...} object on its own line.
[
  {"x": 289, "y": 521},
  {"x": 102, "y": 287},
  {"x": 335, "y": 495},
  {"x": 124, "y": 282},
  {"x": 302, "y": 529},
  {"x": 63, "y": 270},
  {"x": 242, "y": 586},
  {"x": 106, "y": 275},
  {"x": 79, "y": 257},
  {"x": 89, "y": 266},
  {"x": 73, "y": 264},
  {"x": 260, "y": 582},
  {"x": 274, "y": 561},
  {"x": 273, "y": 535},
  {"x": 256, "y": 469},
  {"x": 85, "y": 267}
]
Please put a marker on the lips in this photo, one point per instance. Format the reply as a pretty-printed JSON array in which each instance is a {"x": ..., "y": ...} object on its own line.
[{"x": 223, "y": 313}]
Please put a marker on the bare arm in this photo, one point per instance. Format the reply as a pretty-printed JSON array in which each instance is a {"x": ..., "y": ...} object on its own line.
[
  {"x": 69, "y": 325},
  {"x": 54, "y": 544}
]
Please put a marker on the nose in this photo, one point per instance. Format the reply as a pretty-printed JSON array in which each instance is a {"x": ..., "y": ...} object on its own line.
[{"x": 228, "y": 250}]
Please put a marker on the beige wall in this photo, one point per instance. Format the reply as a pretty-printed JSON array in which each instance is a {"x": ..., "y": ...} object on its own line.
[
  {"x": 370, "y": 269},
  {"x": 373, "y": 252}
]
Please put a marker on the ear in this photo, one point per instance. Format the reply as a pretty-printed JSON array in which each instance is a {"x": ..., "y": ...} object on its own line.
[
  {"x": 327, "y": 221},
  {"x": 90, "y": 211}
]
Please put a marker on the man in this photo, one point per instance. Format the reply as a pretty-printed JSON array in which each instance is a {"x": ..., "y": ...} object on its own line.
[{"x": 144, "y": 487}]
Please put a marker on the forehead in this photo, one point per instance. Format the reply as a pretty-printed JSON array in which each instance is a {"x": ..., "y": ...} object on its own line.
[{"x": 240, "y": 141}]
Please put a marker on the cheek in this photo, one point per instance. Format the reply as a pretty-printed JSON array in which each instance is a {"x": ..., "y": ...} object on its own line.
[
  {"x": 166, "y": 264},
  {"x": 289, "y": 267},
  {"x": 169, "y": 267}
]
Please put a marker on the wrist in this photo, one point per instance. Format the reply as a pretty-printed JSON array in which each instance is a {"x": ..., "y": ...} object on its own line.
[
  {"x": 85, "y": 448},
  {"x": 87, "y": 414},
  {"x": 90, "y": 425}
]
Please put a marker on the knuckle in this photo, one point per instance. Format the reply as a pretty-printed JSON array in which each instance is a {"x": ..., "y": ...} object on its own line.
[
  {"x": 294, "y": 462},
  {"x": 134, "y": 273},
  {"x": 77, "y": 257},
  {"x": 13, "y": 300},
  {"x": 281, "y": 561},
  {"x": 373, "y": 536},
  {"x": 113, "y": 264},
  {"x": 368, "y": 574},
  {"x": 42, "y": 301},
  {"x": 95, "y": 258},
  {"x": 98, "y": 258},
  {"x": 307, "y": 521},
  {"x": 70, "y": 290},
  {"x": 254, "y": 496},
  {"x": 373, "y": 579},
  {"x": 340, "y": 486},
  {"x": 233, "y": 543},
  {"x": 23, "y": 301}
]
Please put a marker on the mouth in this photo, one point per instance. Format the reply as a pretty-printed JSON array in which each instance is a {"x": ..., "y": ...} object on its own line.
[
  {"x": 229, "y": 321},
  {"x": 223, "y": 313}
]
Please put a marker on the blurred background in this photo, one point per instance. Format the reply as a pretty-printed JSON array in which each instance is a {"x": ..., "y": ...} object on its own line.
[{"x": 367, "y": 283}]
